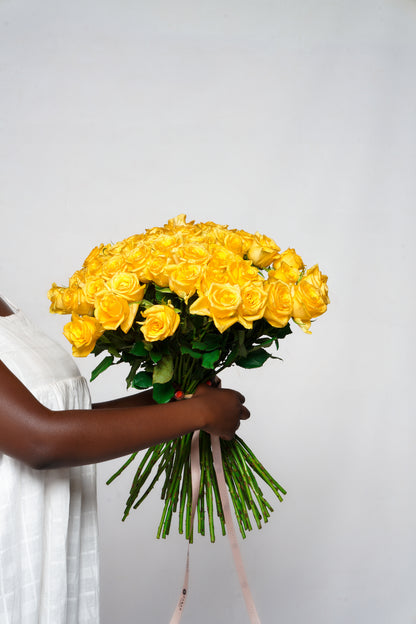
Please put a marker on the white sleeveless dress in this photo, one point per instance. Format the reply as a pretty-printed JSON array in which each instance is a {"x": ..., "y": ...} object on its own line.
[{"x": 48, "y": 518}]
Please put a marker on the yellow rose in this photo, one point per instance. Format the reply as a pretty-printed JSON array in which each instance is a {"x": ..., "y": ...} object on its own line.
[
  {"x": 158, "y": 270},
  {"x": 180, "y": 228},
  {"x": 94, "y": 267},
  {"x": 221, "y": 303},
  {"x": 246, "y": 239},
  {"x": 211, "y": 275},
  {"x": 75, "y": 302},
  {"x": 55, "y": 297},
  {"x": 221, "y": 257},
  {"x": 92, "y": 287},
  {"x": 184, "y": 279},
  {"x": 113, "y": 311},
  {"x": 242, "y": 271},
  {"x": 78, "y": 278},
  {"x": 263, "y": 251},
  {"x": 234, "y": 242},
  {"x": 253, "y": 303},
  {"x": 80, "y": 304},
  {"x": 83, "y": 332},
  {"x": 208, "y": 233},
  {"x": 132, "y": 242},
  {"x": 137, "y": 259},
  {"x": 287, "y": 267},
  {"x": 93, "y": 255},
  {"x": 310, "y": 297},
  {"x": 165, "y": 244},
  {"x": 125, "y": 246},
  {"x": 113, "y": 265},
  {"x": 178, "y": 222},
  {"x": 127, "y": 285},
  {"x": 161, "y": 322},
  {"x": 192, "y": 252},
  {"x": 279, "y": 303},
  {"x": 154, "y": 232},
  {"x": 291, "y": 258},
  {"x": 212, "y": 232},
  {"x": 68, "y": 300}
]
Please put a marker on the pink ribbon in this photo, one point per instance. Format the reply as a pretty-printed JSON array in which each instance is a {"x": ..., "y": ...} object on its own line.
[
  {"x": 195, "y": 480},
  {"x": 232, "y": 537}
]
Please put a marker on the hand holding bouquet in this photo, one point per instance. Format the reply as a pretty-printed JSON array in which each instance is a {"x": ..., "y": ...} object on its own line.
[{"x": 179, "y": 304}]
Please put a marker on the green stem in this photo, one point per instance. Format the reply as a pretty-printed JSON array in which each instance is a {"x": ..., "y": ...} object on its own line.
[
  {"x": 120, "y": 470},
  {"x": 218, "y": 503},
  {"x": 246, "y": 482},
  {"x": 206, "y": 453},
  {"x": 188, "y": 513},
  {"x": 241, "y": 494},
  {"x": 162, "y": 467},
  {"x": 252, "y": 481},
  {"x": 261, "y": 470},
  {"x": 237, "y": 506},
  {"x": 162, "y": 520},
  {"x": 143, "y": 471},
  {"x": 183, "y": 496}
]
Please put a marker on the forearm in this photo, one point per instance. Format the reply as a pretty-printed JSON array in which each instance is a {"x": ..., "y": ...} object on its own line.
[
  {"x": 71, "y": 438},
  {"x": 133, "y": 400}
]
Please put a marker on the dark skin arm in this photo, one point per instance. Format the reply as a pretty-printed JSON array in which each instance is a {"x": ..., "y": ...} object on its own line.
[
  {"x": 132, "y": 400},
  {"x": 43, "y": 438}
]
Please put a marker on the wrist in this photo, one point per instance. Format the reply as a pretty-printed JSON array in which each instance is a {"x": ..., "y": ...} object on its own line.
[{"x": 197, "y": 411}]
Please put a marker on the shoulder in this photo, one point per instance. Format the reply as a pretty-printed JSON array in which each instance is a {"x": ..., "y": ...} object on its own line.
[{"x": 5, "y": 308}]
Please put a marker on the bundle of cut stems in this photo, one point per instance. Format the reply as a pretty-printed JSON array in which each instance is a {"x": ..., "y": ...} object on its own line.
[{"x": 171, "y": 460}]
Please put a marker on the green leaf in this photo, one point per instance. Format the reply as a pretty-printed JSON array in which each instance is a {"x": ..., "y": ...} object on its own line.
[
  {"x": 130, "y": 359},
  {"x": 160, "y": 298},
  {"x": 232, "y": 356},
  {"x": 163, "y": 371},
  {"x": 278, "y": 332},
  {"x": 242, "y": 351},
  {"x": 142, "y": 380},
  {"x": 102, "y": 366},
  {"x": 138, "y": 349},
  {"x": 106, "y": 337},
  {"x": 163, "y": 289},
  {"x": 209, "y": 359},
  {"x": 132, "y": 373},
  {"x": 102, "y": 343},
  {"x": 163, "y": 393},
  {"x": 265, "y": 342},
  {"x": 99, "y": 348},
  {"x": 188, "y": 351},
  {"x": 254, "y": 359},
  {"x": 214, "y": 340},
  {"x": 155, "y": 356},
  {"x": 201, "y": 346},
  {"x": 113, "y": 351},
  {"x": 209, "y": 342},
  {"x": 146, "y": 303}
]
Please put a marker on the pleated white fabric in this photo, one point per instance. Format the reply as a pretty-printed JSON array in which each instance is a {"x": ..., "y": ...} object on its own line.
[{"x": 48, "y": 519}]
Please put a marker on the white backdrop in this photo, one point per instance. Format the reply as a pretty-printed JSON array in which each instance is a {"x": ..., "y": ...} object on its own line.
[{"x": 296, "y": 119}]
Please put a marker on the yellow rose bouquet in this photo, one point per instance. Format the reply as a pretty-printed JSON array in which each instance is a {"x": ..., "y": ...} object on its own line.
[{"x": 179, "y": 304}]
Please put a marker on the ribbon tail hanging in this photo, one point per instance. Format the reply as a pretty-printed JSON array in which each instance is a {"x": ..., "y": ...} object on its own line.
[{"x": 232, "y": 537}]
